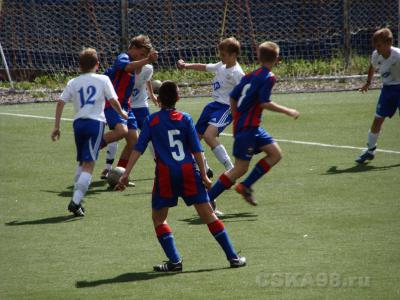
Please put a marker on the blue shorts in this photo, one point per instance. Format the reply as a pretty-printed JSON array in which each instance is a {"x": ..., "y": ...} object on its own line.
[
  {"x": 171, "y": 184},
  {"x": 248, "y": 142},
  {"x": 141, "y": 114},
  {"x": 88, "y": 134},
  {"x": 113, "y": 118},
  {"x": 215, "y": 113},
  {"x": 389, "y": 101}
]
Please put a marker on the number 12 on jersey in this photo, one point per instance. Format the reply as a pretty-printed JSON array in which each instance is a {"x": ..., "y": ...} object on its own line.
[{"x": 90, "y": 92}]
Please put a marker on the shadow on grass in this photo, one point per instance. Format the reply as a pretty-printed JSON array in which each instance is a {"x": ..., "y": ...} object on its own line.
[
  {"x": 95, "y": 184},
  {"x": 138, "y": 276},
  {"x": 238, "y": 217},
  {"x": 52, "y": 220},
  {"x": 359, "y": 168}
]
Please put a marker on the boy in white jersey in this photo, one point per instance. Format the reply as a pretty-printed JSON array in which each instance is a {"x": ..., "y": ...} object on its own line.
[
  {"x": 142, "y": 91},
  {"x": 88, "y": 92},
  {"x": 385, "y": 60},
  {"x": 216, "y": 116}
]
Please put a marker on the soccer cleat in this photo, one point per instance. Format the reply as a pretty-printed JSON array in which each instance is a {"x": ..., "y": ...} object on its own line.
[
  {"x": 104, "y": 174},
  {"x": 169, "y": 266},
  {"x": 77, "y": 210},
  {"x": 247, "y": 193},
  {"x": 217, "y": 212},
  {"x": 131, "y": 184},
  {"x": 210, "y": 173},
  {"x": 238, "y": 262},
  {"x": 368, "y": 154}
]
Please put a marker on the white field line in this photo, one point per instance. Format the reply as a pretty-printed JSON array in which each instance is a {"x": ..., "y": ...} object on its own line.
[{"x": 229, "y": 134}]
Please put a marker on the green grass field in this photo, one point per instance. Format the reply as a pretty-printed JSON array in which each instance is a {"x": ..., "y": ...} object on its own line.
[{"x": 325, "y": 228}]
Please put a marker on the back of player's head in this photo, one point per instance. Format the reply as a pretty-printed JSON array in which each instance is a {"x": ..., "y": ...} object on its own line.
[
  {"x": 141, "y": 41},
  {"x": 230, "y": 45},
  {"x": 168, "y": 94},
  {"x": 268, "y": 52},
  {"x": 383, "y": 35},
  {"x": 88, "y": 59}
]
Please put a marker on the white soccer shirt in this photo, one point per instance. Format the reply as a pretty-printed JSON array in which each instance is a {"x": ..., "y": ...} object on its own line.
[
  {"x": 225, "y": 80},
  {"x": 139, "y": 95},
  {"x": 389, "y": 68},
  {"x": 88, "y": 92}
]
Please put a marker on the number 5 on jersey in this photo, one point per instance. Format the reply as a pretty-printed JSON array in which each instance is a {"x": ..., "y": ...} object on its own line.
[{"x": 179, "y": 154}]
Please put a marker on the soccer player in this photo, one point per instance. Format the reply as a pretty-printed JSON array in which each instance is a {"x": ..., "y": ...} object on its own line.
[
  {"x": 142, "y": 91},
  {"x": 177, "y": 149},
  {"x": 88, "y": 92},
  {"x": 216, "y": 116},
  {"x": 248, "y": 99},
  {"x": 385, "y": 60},
  {"x": 122, "y": 75}
]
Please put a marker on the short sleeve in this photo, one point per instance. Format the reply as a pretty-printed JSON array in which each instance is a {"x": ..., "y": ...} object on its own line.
[
  {"x": 237, "y": 90},
  {"x": 144, "y": 137},
  {"x": 374, "y": 59},
  {"x": 213, "y": 67},
  {"x": 122, "y": 61},
  {"x": 147, "y": 72},
  {"x": 266, "y": 90},
  {"x": 67, "y": 94}
]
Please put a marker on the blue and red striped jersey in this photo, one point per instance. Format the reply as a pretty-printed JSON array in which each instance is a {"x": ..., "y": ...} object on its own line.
[
  {"x": 173, "y": 136},
  {"x": 253, "y": 90},
  {"x": 122, "y": 81}
]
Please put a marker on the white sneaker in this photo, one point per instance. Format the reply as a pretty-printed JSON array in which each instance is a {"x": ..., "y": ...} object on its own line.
[{"x": 218, "y": 213}]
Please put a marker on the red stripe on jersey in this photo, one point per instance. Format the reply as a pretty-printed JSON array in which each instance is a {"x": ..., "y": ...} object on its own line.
[
  {"x": 175, "y": 115},
  {"x": 163, "y": 229},
  {"x": 123, "y": 84},
  {"x": 236, "y": 118},
  {"x": 257, "y": 72},
  {"x": 189, "y": 180},
  {"x": 164, "y": 180},
  {"x": 256, "y": 118},
  {"x": 216, "y": 227},
  {"x": 155, "y": 121},
  {"x": 264, "y": 165},
  {"x": 226, "y": 182}
]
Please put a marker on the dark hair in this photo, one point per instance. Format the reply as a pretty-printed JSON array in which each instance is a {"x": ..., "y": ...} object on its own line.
[
  {"x": 168, "y": 94},
  {"x": 88, "y": 59},
  {"x": 383, "y": 35},
  {"x": 141, "y": 41},
  {"x": 230, "y": 45},
  {"x": 268, "y": 52}
]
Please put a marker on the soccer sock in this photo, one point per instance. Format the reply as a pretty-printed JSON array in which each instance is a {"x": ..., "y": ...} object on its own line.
[
  {"x": 110, "y": 156},
  {"x": 122, "y": 163},
  {"x": 258, "y": 171},
  {"x": 223, "y": 157},
  {"x": 372, "y": 138},
  {"x": 78, "y": 172},
  {"x": 223, "y": 183},
  {"x": 103, "y": 143},
  {"x": 217, "y": 229},
  {"x": 166, "y": 239},
  {"x": 81, "y": 186},
  {"x": 205, "y": 161}
]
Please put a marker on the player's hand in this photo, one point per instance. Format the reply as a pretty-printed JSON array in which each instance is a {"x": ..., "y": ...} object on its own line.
[
  {"x": 153, "y": 55},
  {"x": 180, "y": 64},
  {"x": 207, "y": 182},
  {"x": 364, "y": 88},
  {"x": 294, "y": 113},
  {"x": 122, "y": 183},
  {"x": 124, "y": 115},
  {"x": 55, "y": 134}
]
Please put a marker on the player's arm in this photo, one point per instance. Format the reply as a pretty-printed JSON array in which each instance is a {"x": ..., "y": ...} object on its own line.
[
  {"x": 117, "y": 106},
  {"x": 200, "y": 162},
  {"x": 195, "y": 66},
  {"x": 371, "y": 72},
  {"x": 150, "y": 92},
  {"x": 55, "y": 134},
  {"x": 280, "y": 109},
  {"x": 138, "y": 64},
  {"x": 233, "y": 103}
]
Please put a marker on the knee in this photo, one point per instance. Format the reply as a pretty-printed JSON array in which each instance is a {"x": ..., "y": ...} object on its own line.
[{"x": 209, "y": 139}]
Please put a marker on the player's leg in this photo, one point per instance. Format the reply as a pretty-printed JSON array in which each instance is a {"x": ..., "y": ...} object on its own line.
[
  {"x": 131, "y": 140},
  {"x": 167, "y": 242},
  {"x": 112, "y": 149},
  {"x": 201, "y": 126},
  {"x": 217, "y": 229},
  {"x": 373, "y": 134},
  {"x": 211, "y": 138},
  {"x": 118, "y": 127}
]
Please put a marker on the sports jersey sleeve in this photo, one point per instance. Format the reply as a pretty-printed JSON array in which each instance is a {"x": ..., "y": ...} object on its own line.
[
  {"x": 122, "y": 61},
  {"x": 109, "y": 90},
  {"x": 144, "y": 137},
  {"x": 374, "y": 59},
  {"x": 213, "y": 67},
  {"x": 66, "y": 95},
  {"x": 147, "y": 72},
  {"x": 194, "y": 141},
  {"x": 237, "y": 90},
  {"x": 266, "y": 90}
]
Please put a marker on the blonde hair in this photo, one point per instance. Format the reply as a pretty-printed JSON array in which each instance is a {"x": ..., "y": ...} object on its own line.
[
  {"x": 268, "y": 52},
  {"x": 88, "y": 59},
  {"x": 141, "y": 41},
  {"x": 383, "y": 35},
  {"x": 230, "y": 45}
]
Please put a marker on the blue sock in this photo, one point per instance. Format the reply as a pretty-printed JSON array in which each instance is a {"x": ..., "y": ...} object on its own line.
[
  {"x": 223, "y": 183},
  {"x": 166, "y": 239},
  {"x": 217, "y": 229},
  {"x": 258, "y": 171}
]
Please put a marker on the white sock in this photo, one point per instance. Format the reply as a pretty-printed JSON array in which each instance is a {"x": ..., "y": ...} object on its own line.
[
  {"x": 205, "y": 161},
  {"x": 78, "y": 172},
  {"x": 111, "y": 153},
  {"x": 372, "y": 138},
  {"x": 223, "y": 157},
  {"x": 81, "y": 186}
]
